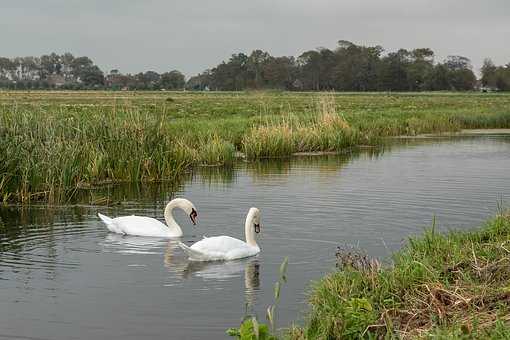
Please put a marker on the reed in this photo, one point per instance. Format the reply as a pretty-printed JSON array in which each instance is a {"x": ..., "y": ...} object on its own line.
[
  {"x": 54, "y": 144},
  {"x": 324, "y": 129}
]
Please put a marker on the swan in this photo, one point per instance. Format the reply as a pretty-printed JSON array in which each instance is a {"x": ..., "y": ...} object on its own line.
[
  {"x": 226, "y": 247},
  {"x": 148, "y": 226}
]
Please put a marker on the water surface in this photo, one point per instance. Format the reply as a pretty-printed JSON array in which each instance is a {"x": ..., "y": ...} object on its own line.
[{"x": 63, "y": 276}]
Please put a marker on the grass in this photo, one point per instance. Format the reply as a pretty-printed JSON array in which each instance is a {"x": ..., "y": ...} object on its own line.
[
  {"x": 447, "y": 286},
  {"x": 55, "y": 144}
]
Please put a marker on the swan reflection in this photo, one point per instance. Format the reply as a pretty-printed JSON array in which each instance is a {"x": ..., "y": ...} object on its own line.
[
  {"x": 124, "y": 244},
  {"x": 227, "y": 270}
]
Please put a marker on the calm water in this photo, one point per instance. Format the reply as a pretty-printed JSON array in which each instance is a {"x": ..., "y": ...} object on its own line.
[{"x": 63, "y": 276}]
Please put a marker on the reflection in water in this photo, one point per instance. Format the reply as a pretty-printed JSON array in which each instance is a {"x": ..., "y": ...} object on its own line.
[
  {"x": 126, "y": 244},
  {"x": 132, "y": 192},
  {"x": 226, "y": 270},
  {"x": 213, "y": 175},
  {"x": 326, "y": 165}
]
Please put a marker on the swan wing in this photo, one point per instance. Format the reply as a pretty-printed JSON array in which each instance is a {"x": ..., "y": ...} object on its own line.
[
  {"x": 219, "y": 248},
  {"x": 193, "y": 254},
  {"x": 141, "y": 226},
  {"x": 110, "y": 224},
  {"x": 137, "y": 225}
]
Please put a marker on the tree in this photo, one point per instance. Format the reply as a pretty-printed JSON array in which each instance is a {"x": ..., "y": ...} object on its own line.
[
  {"x": 254, "y": 65},
  {"x": 7, "y": 68},
  {"x": 309, "y": 64},
  {"x": 393, "y": 71},
  {"x": 419, "y": 69},
  {"x": 489, "y": 73},
  {"x": 279, "y": 72},
  {"x": 460, "y": 74},
  {"x": 92, "y": 76},
  {"x": 173, "y": 80}
]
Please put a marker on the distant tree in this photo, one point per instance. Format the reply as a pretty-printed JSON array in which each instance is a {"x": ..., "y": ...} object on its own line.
[
  {"x": 439, "y": 79},
  {"x": 254, "y": 65},
  {"x": 309, "y": 64},
  {"x": 7, "y": 68},
  {"x": 503, "y": 77},
  {"x": 173, "y": 80},
  {"x": 356, "y": 67},
  {"x": 200, "y": 82},
  {"x": 393, "y": 71},
  {"x": 419, "y": 69},
  {"x": 489, "y": 73},
  {"x": 461, "y": 76},
  {"x": 92, "y": 76},
  {"x": 279, "y": 72}
]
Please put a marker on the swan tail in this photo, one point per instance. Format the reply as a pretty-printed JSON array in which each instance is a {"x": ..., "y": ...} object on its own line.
[
  {"x": 192, "y": 253},
  {"x": 110, "y": 224}
]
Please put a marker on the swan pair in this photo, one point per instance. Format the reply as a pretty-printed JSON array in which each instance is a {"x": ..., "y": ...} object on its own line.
[{"x": 209, "y": 249}]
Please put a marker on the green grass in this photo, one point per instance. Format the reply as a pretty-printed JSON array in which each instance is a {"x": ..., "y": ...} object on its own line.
[
  {"x": 54, "y": 144},
  {"x": 452, "y": 286}
]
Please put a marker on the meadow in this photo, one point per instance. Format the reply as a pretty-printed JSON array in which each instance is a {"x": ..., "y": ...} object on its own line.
[{"x": 54, "y": 145}]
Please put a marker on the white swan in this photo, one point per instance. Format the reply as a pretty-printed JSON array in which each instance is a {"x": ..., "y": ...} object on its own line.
[
  {"x": 226, "y": 247},
  {"x": 147, "y": 226}
]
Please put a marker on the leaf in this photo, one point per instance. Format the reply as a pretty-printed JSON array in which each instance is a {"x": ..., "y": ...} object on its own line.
[
  {"x": 277, "y": 290},
  {"x": 255, "y": 328},
  {"x": 233, "y": 332},
  {"x": 283, "y": 269},
  {"x": 270, "y": 315}
]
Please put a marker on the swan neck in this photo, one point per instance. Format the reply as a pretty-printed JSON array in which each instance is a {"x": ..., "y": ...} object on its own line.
[
  {"x": 169, "y": 218},
  {"x": 250, "y": 231}
]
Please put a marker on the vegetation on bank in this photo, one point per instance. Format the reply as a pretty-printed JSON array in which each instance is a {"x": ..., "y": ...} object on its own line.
[
  {"x": 452, "y": 285},
  {"x": 55, "y": 144}
]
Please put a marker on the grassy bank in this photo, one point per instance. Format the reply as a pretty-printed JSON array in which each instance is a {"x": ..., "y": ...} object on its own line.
[
  {"x": 453, "y": 285},
  {"x": 54, "y": 144}
]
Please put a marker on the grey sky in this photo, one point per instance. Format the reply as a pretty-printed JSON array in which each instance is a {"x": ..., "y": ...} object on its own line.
[{"x": 192, "y": 35}]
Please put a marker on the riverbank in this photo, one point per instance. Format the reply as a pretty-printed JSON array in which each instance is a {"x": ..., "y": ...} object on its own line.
[
  {"x": 55, "y": 144},
  {"x": 452, "y": 285}
]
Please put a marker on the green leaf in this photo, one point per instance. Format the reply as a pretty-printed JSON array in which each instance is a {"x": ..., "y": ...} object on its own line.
[
  {"x": 270, "y": 315},
  {"x": 283, "y": 269},
  {"x": 255, "y": 328},
  {"x": 233, "y": 332},
  {"x": 277, "y": 290}
]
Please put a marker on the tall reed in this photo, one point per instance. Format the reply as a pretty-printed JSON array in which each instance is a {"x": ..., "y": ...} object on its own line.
[{"x": 325, "y": 129}]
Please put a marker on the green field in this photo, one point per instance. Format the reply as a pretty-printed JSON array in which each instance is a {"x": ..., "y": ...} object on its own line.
[{"x": 54, "y": 144}]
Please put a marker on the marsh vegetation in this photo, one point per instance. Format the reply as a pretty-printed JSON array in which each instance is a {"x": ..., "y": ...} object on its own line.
[{"x": 55, "y": 144}]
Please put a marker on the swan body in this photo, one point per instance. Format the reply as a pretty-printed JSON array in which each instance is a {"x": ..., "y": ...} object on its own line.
[
  {"x": 148, "y": 226},
  {"x": 225, "y": 247}
]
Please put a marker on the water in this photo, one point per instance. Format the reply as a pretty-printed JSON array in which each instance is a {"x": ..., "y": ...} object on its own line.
[{"x": 62, "y": 276}]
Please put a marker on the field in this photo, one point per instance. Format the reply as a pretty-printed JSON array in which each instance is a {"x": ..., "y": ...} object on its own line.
[{"x": 56, "y": 144}]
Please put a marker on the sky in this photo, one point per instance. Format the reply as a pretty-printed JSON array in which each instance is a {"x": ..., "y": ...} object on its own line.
[{"x": 193, "y": 35}]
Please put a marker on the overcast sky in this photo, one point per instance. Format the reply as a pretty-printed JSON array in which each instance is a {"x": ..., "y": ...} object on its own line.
[{"x": 192, "y": 35}]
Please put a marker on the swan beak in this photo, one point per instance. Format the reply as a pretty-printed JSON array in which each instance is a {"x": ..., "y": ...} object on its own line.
[
  {"x": 257, "y": 228},
  {"x": 193, "y": 216}
]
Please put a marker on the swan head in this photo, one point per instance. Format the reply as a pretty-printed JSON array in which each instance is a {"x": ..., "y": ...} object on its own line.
[
  {"x": 187, "y": 207},
  {"x": 255, "y": 214},
  {"x": 193, "y": 216}
]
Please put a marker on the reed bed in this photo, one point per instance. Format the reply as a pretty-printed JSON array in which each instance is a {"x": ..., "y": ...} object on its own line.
[
  {"x": 325, "y": 130},
  {"x": 50, "y": 155},
  {"x": 54, "y": 144}
]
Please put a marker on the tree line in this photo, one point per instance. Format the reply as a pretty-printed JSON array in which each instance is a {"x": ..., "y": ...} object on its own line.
[
  {"x": 75, "y": 73},
  {"x": 348, "y": 67}
]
